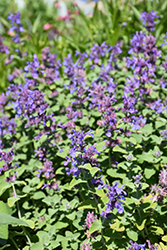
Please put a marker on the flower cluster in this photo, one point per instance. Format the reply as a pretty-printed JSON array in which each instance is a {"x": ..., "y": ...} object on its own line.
[
  {"x": 14, "y": 74},
  {"x": 115, "y": 194},
  {"x": 47, "y": 169},
  {"x": 75, "y": 71},
  {"x": 98, "y": 51},
  {"x": 136, "y": 246},
  {"x": 80, "y": 153},
  {"x": 48, "y": 172},
  {"x": 16, "y": 25},
  {"x": 163, "y": 178},
  {"x": 7, "y": 157},
  {"x": 88, "y": 223},
  {"x": 148, "y": 20},
  {"x": 151, "y": 247},
  {"x": 3, "y": 48},
  {"x": 85, "y": 246},
  {"x": 160, "y": 191},
  {"x": 137, "y": 179},
  {"x": 30, "y": 104},
  {"x": 7, "y": 126},
  {"x": 90, "y": 218}
]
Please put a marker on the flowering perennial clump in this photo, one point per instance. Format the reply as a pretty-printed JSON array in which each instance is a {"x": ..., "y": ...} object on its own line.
[{"x": 83, "y": 141}]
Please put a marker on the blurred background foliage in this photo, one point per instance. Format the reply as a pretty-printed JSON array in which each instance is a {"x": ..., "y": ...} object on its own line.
[
  {"x": 66, "y": 28},
  {"x": 110, "y": 21}
]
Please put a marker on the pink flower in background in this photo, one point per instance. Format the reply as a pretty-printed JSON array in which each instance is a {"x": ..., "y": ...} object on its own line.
[
  {"x": 47, "y": 26},
  {"x": 10, "y": 33},
  {"x": 77, "y": 12},
  {"x": 75, "y": 4},
  {"x": 56, "y": 5},
  {"x": 65, "y": 18},
  {"x": 90, "y": 15},
  {"x": 69, "y": 12}
]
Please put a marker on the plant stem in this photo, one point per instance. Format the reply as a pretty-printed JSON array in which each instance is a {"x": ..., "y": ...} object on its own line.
[
  {"x": 102, "y": 238},
  {"x": 19, "y": 215},
  {"x": 15, "y": 244},
  {"x": 80, "y": 192}
]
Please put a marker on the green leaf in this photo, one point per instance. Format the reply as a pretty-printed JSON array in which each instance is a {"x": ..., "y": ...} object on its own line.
[
  {"x": 5, "y": 246},
  {"x": 114, "y": 173},
  {"x": 12, "y": 200},
  {"x": 160, "y": 122},
  {"x": 60, "y": 171},
  {"x": 117, "y": 227},
  {"x": 3, "y": 184},
  {"x": 100, "y": 146},
  {"x": 60, "y": 225},
  {"x": 135, "y": 11},
  {"x": 86, "y": 166},
  {"x": 64, "y": 153},
  {"x": 119, "y": 149},
  {"x": 71, "y": 236},
  {"x": 6, "y": 219},
  {"x": 96, "y": 226},
  {"x": 30, "y": 223},
  {"x": 164, "y": 159},
  {"x": 157, "y": 230},
  {"x": 149, "y": 172},
  {"x": 74, "y": 245},
  {"x": 3, "y": 207},
  {"x": 3, "y": 228},
  {"x": 39, "y": 195},
  {"x": 128, "y": 183},
  {"x": 147, "y": 130},
  {"x": 36, "y": 24},
  {"x": 37, "y": 246},
  {"x": 141, "y": 226},
  {"x": 52, "y": 200},
  {"x": 75, "y": 182},
  {"x": 54, "y": 244},
  {"x": 88, "y": 204},
  {"x": 43, "y": 138},
  {"x": 164, "y": 238},
  {"x": 146, "y": 156},
  {"x": 161, "y": 246},
  {"x": 94, "y": 170},
  {"x": 131, "y": 139},
  {"x": 71, "y": 216},
  {"x": 20, "y": 157},
  {"x": 132, "y": 235},
  {"x": 156, "y": 139}
]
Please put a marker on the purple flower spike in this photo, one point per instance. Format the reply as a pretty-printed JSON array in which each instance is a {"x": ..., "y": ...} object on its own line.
[
  {"x": 136, "y": 246},
  {"x": 148, "y": 20},
  {"x": 163, "y": 178},
  {"x": 11, "y": 178},
  {"x": 115, "y": 195},
  {"x": 3, "y": 48},
  {"x": 151, "y": 247},
  {"x": 16, "y": 25},
  {"x": 89, "y": 219}
]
